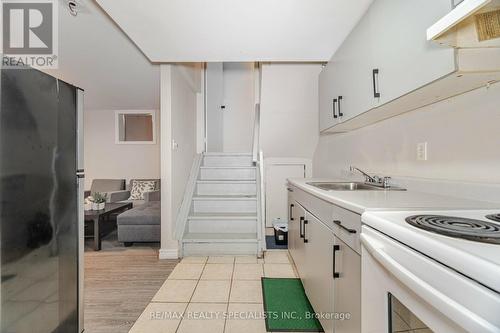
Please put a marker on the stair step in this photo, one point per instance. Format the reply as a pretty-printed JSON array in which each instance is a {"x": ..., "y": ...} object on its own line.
[
  {"x": 213, "y": 249},
  {"x": 214, "y": 244},
  {"x": 220, "y": 238},
  {"x": 227, "y": 173},
  {"x": 211, "y": 153},
  {"x": 240, "y": 197},
  {"x": 223, "y": 216},
  {"x": 227, "y": 159},
  {"x": 226, "y": 187},
  {"x": 226, "y": 181},
  {"x": 232, "y": 223},
  {"x": 225, "y": 204}
]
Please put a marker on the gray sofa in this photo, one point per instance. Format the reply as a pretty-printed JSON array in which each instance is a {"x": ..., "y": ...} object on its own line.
[
  {"x": 141, "y": 223},
  {"x": 124, "y": 195},
  {"x": 106, "y": 186}
]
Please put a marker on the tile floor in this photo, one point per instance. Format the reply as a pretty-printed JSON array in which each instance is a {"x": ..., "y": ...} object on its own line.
[{"x": 214, "y": 294}]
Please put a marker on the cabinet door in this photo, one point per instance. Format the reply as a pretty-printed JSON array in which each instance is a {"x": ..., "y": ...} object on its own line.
[
  {"x": 353, "y": 64},
  {"x": 318, "y": 276},
  {"x": 293, "y": 226},
  {"x": 296, "y": 246},
  {"x": 326, "y": 94},
  {"x": 347, "y": 293},
  {"x": 401, "y": 52}
]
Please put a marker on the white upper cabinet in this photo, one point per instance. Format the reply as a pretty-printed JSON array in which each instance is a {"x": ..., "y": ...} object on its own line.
[
  {"x": 400, "y": 50},
  {"x": 326, "y": 93},
  {"x": 386, "y": 66},
  {"x": 345, "y": 83},
  {"x": 355, "y": 63}
]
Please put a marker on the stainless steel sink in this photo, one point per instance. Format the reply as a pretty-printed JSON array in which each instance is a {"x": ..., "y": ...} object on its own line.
[{"x": 352, "y": 186}]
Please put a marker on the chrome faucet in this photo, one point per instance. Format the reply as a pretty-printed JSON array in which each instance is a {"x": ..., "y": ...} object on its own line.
[{"x": 373, "y": 180}]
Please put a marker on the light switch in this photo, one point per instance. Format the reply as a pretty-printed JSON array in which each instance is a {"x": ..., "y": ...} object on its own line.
[{"x": 422, "y": 151}]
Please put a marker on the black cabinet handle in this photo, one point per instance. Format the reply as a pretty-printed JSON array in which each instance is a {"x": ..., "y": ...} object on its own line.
[
  {"x": 340, "y": 112},
  {"x": 289, "y": 189},
  {"x": 291, "y": 212},
  {"x": 339, "y": 223},
  {"x": 336, "y": 248},
  {"x": 305, "y": 239},
  {"x": 301, "y": 234},
  {"x": 334, "y": 108},
  {"x": 376, "y": 93}
]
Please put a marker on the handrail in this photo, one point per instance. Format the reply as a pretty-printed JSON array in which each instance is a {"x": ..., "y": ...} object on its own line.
[
  {"x": 183, "y": 213},
  {"x": 261, "y": 203},
  {"x": 258, "y": 162},
  {"x": 256, "y": 134}
]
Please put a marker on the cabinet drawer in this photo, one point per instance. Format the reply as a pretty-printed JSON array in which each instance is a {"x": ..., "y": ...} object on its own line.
[
  {"x": 347, "y": 227},
  {"x": 345, "y": 224},
  {"x": 323, "y": 210}
]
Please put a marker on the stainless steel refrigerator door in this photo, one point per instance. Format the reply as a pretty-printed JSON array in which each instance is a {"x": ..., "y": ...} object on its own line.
[{"x": 38, "y": 204}]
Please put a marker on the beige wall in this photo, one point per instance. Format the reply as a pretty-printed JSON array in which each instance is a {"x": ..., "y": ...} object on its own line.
[
  {"x": 462, "y": 134},
  {"x": 180, "y": 89},
  {"x": 289, "y": 110},
  {"x": 183, "y": 127},
  {"x": 106, "y": 159},
  {"x": 239, "y": 100}
]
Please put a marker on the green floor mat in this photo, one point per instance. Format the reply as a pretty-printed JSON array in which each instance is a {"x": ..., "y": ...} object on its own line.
[{"x": 287, "y": 307}]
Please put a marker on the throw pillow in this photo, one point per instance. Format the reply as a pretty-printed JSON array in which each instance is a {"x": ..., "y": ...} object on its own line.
[{"x": 139, "y": 187}]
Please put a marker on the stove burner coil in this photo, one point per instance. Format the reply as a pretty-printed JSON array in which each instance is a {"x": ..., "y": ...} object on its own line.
[
  {"x": 494, "y": 217},
  {"x": 459, "y": 227}
]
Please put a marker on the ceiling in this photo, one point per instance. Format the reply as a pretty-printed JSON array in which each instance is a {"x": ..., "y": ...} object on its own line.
[
  {"x": 236, "y": 30},
  {"x": 113, "y": 52},
  {"x": 96, "y": 55}
]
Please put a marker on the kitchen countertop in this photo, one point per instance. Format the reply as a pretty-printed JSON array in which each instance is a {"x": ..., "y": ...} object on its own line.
[{"x": 361, "y": 201}]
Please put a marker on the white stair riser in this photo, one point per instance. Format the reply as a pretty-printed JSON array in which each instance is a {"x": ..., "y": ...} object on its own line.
[
  {"x": 207, "y": 249},
  {"x": 222, "y": 226},
  {"x": 230, "y": 160},
  {"x": 214, "y": 174},
  {"x": 226, "y": 189},
  {"x": 225, "y": 206}
]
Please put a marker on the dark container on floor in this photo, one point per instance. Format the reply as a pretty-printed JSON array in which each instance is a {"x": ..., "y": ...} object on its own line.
[{"x": 281, "y": 234}]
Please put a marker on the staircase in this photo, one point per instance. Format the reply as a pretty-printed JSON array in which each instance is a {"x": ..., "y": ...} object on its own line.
[{"x": 223, "y": 212}]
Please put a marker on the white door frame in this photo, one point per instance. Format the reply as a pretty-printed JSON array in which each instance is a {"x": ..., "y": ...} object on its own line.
[{"x": 275, "y": 161}]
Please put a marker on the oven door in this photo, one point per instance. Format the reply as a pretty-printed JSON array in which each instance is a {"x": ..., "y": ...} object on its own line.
[{"x": 405, "y": 291}]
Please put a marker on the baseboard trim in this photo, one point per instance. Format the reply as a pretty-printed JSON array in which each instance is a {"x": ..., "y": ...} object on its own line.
[{"x": 169, "y": 254}]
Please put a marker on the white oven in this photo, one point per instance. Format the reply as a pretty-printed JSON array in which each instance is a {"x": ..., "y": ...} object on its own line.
[{"x": 404, "y": 290}]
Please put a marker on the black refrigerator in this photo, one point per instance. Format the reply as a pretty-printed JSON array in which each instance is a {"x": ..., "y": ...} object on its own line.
[{"x": 41, "y": 203}]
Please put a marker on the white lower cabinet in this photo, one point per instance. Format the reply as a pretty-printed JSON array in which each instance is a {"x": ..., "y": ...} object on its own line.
[
  {"x": 347, "y": 292},
  {"x": 296, "y": 244},
  {"x": 329, "y": 268},
  {"x": 318, "y": 275}
]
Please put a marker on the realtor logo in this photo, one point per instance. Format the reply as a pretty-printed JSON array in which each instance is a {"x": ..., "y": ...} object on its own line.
[{"x": 29, "y": 33}]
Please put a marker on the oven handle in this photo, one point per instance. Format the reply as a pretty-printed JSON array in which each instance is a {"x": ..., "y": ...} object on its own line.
[{"x": 453, "y": 310}]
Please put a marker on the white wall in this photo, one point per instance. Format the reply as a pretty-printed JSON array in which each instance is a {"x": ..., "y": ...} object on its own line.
[
  {"x": 289, "y": 128},
  {"x": 289, "y": 110},
  {"x": 183, "y": 126},
  {"x": 462, "y": 135},
  {"x": 180, "y": 90},
  {"x": 97, "y": 56},
  {"x": 239, "y": 100},
  {"x": 106, "y": 159}
]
